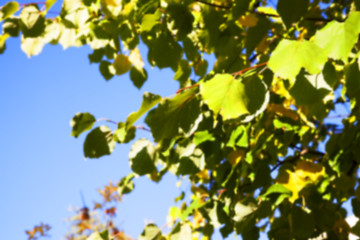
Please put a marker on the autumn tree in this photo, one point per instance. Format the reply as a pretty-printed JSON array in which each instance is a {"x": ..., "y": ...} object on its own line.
[{"x": 251, "y": 133}]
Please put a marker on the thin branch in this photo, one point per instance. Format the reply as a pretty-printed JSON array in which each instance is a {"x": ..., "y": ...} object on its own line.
[
  {"x": 108, "y": 120},
  {"x": 184, "y": 88},
  {"x": 213, "y": 4},
  {"x": 306, "y": 18},
  {"x": 143, "y": 128},
  {"x": 249, "y": 68},
  {"x": 294, "y": 158}
]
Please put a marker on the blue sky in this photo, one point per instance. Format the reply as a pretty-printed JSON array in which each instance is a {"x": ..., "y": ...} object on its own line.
[{"x": 42, "y": 167}]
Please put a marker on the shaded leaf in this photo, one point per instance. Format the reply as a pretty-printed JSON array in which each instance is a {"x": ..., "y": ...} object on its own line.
[
  {"x": 81, "y": 122},
  {"x": 138, "y": 76},
  {"x": 174, "y": 115},
  {"x": 149, "y": 101},
  {"x": 124, "y": 134},
  {"x": 292, "y": 10},
  {"x": 8, "y": 9},
  {"x": 32, "y": 22},
  {"x": 99, "y": 142},
  {"x": 141, "y": 157},
  {"x": 126, "y": 184}
]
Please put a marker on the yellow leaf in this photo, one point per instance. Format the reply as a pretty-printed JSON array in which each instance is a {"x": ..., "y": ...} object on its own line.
[
  {"x": 304, "y": 173},
  {"x": 282, "y": 111},
  {"x": 236, "y": 156},
  {"x": 121, "y": 64},
  {"x": 248, "y": 20},
  {"x": 113, "y": 3}
]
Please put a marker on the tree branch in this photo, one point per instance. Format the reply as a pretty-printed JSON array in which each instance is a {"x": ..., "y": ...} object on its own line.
[
  {"x": 249, "y": 68},
  {"x": 306, "y": 18},
  {"x": 294, "y": 158},
  {"x": 213, "y": 4}
]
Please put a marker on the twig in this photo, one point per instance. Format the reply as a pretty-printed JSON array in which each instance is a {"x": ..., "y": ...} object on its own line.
[
  {"x": 143, "y": 128},
  {"x": 184, "y": 88},
  {"x": 213, "y": 4},
  {"x": 249, "y": 68},
  {"x": 306, "y": 18},
  {"x": 108, "y": 120},
  {"x": 294, "y": 158}
]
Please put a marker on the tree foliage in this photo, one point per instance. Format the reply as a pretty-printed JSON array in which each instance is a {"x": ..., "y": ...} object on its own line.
[{"x": 251, "y": 133}]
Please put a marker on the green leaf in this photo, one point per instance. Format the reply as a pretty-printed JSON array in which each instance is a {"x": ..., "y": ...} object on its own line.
[
  {"x": 11, "y": 26},
  {"x": 81, "y": 122},
  {"x": 195, "y": 204},
  {"x": 123, "y": 134},
  {"x": 8, "y": 9},
  {"x": 256, "y": 34},
  {"x": 126, "y": 184},
  {"x": 149, "y": 21},
  {"x": 183, "y": 72},
  {"x": 303, "y": 223},
  {"x": 32, "y": 22},
  {"x": 141, "y": 157},
  {"x": 138, "y": 76},
  {"x": 315, "y": 87},
  {"x": 121, "y": 64},
  {"x": 292, "y": 10},
  {"x": 151, "y": 232},
  {"x": 161, "y": 44},
  {"x": 337, "y": 39},
  {"x": 192, "y": 159},
  {"x": 181, "y": 19},
  {"x": 202, "y": 136},
  {"x": 107, "y": 70},
  {"x": 277, "y": 188},
  {"x": 352, "y": 80},
  {"x": 290, "y": 56},
  {"x": 149, "y": 101},
  {"x": 174, "y": 115},
  {"x": 238, "y": 138},
  {"x": 99, "y": 142},
  {"x": 226, "y": 96}
]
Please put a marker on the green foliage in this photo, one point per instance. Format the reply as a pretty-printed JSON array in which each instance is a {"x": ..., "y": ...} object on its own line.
[{"x": 251, "y": 134}]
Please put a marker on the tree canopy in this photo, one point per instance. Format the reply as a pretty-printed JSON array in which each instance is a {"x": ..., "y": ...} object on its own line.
[{"x": 252, "y": 134}]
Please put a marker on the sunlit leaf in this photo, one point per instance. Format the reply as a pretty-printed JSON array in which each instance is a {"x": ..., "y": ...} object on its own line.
[
  {"x": 290, "y": 56},
  {"x": 225, "y": 95},
  {"x": 338, "y": 38},
  {"x": 32, "y": 46}
]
